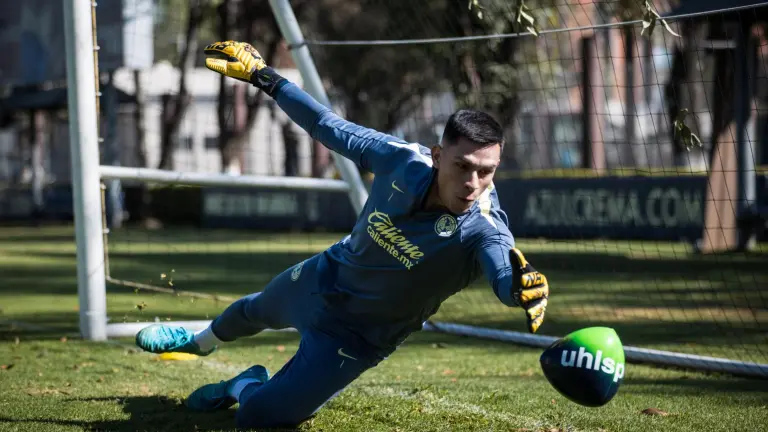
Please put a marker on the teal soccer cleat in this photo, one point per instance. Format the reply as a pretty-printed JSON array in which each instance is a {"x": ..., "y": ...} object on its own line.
[
  {"x": 159, "y": 338},
  {"x": 211, "y": 397}
]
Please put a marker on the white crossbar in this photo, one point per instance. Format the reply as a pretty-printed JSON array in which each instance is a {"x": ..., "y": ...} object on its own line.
[{"x": 149, "y": 175}]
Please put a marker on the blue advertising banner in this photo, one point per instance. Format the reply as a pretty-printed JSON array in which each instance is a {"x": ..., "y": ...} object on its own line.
[
  {"x": 642, "y": 208},
  {"x": 17, "y": 204},
  {"x": 277, "y": 209},
  {"x": 669, "y": 208}
]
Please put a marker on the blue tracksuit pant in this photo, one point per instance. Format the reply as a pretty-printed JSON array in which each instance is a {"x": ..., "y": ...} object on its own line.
[{"x": 329, "y": 356}]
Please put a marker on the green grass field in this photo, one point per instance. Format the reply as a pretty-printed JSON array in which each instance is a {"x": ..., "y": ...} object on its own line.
[{"x": 653, "y": 294}]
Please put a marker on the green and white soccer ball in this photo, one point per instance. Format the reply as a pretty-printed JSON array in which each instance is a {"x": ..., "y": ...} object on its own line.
[{"x": 586, "y": 366}]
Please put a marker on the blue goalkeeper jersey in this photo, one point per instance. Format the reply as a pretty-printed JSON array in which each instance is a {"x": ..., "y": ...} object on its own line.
[{"x": 400, "y": 262}]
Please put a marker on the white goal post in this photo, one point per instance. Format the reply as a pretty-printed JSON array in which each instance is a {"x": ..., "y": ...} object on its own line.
[{"x": 87, "y": 175}]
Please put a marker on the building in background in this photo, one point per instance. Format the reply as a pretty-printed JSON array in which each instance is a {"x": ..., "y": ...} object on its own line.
[{"x": 197, "y": 149}]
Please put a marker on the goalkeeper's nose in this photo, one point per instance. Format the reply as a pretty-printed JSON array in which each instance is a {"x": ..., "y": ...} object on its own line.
[{"x": 472, "y": 183}]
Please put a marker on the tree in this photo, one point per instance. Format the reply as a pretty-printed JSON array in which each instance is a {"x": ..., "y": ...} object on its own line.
[
  {"x": 174, "y": 106},
  {"x": 388, "y": 83},
  {"x": 376, "y": 85},
  {"x": 253, "y": 21}
]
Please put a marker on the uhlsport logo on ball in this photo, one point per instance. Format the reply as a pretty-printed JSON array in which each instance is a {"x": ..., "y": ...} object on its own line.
[{"x": 586, "y": 366}]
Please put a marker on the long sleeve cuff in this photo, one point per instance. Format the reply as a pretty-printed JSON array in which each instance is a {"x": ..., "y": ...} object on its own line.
[{"x": 268, "y": 80}]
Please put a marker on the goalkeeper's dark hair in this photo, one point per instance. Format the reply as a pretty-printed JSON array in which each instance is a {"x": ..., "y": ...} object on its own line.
[{"x": 476, "y": 126}]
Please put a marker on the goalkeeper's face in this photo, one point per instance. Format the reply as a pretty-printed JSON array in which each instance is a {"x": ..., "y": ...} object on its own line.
[{"x": 464, "y": 170}]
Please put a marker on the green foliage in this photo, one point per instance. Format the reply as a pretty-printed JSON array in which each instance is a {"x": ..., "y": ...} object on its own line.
[
  {"x": 475, "y": 5},
  {"x": 525, "y": 20},
  {"x": 171, "y": 18},
  {"x": 651, "y": 17},
  {"x": 684, "y": 133}
]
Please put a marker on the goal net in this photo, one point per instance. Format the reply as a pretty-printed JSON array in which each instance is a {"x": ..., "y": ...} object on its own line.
[{"x": 631, "y": 175}]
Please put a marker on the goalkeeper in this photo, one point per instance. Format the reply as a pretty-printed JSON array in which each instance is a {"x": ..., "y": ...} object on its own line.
[{"x": 431, "y": 225}]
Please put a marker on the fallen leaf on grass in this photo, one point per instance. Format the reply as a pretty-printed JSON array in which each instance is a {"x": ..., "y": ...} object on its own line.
[
  {"x": 281, "y": 348},
  {"x": 63, "y": 339},
  {"x": 46, "y": 392},
  {"x": 82, "y": 365},
  {"x": 448, "y": 372},
  {"x": 654, "y": 412}
]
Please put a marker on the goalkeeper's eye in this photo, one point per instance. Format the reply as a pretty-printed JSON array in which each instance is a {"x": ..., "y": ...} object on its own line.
[{"x": 485, "y": 172}]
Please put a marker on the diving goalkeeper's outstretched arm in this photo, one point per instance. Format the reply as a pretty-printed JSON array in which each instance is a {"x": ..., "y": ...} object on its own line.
[
  {"x": 513, "y": 279},
  {"x": 366, "y": 147},
  {"x": 430, "y": 225}
]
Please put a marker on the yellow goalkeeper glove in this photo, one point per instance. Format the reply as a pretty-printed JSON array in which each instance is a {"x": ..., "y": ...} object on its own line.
[
  {"x": 531, "y": 289},
  {"x": 241, "y": 61}
]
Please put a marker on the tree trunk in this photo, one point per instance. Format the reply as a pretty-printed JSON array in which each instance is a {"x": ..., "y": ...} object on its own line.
[
  {"x": 237, "y": 113},
  {"x": 233, "y": 123},
  {"x": 111, "y": 154},
  {"x": 225, "y": 106},
  {"x": 686, "y": 90},
  {"x": 508, "y": 119},
  {"x": 174, "y": 106},
  {"x": 140, "y": 151},
  {"x": 38, "y": 143},
  {"x": 291, "y": 141},
  {"x": 321, "y": 159}
]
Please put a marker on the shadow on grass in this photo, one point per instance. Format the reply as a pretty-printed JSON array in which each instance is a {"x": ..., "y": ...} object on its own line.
[
  {"x": 47, "y": 326},
  {"x": 40, "y": 238},
  {"x": 46, "y": 233},
  {"x": 54, "y": 326},
  {"x": 229, "y": 271},
  {"x": 155, "y": 413},
  {"x": 698, "y": 332},
  {"x": 695, "y": 385},
  {"x": 582, "y": 282}
]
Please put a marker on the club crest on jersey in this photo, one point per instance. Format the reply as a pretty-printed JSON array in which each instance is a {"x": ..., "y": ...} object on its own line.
[
  {"x": 446, "y": 225},
  {"x": 297, "y": 271}
]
